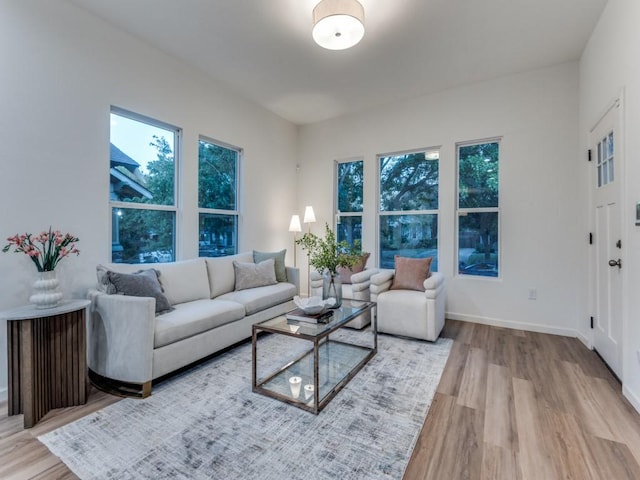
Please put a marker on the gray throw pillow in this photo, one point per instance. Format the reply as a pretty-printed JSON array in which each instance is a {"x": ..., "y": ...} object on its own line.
[
  {"x": 278, "y": 257},
  {"x": 144, "y": 283},
  {"x": 251, "y": 275}
]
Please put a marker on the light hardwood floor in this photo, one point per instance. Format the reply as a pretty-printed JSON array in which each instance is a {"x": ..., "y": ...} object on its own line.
[{"x": 510, "y": 405}]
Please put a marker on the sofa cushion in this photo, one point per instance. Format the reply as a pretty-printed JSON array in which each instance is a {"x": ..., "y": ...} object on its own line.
[
  {"x": 221, "y": 274},
  {"x": 411, "y": 273},
  {"x": 251, "y": 275},
  {"x": 184, "y": 281},
  {"x": 144, "y": 283},
  {"x": 192, "y": 318},
  {"x": 278, "y": 257},
  {"x": 261, "y": 298}
]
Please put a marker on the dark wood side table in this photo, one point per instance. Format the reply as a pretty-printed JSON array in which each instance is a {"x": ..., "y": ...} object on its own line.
[{"x": 47, "y": 362}]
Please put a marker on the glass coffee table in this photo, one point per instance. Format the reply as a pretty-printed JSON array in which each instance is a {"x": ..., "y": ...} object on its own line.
[{"x": 319, "y": 368}]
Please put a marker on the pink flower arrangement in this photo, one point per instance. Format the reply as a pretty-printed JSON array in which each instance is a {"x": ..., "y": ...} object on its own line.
[{"x": 45, "y": 250}]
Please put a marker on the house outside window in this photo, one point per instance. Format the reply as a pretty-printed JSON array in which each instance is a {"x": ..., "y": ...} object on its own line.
[
  {"x": 478, "y": 208},
  {"x": 142, "y": 188},
  {"x": 408, "y": 207},
  {"x": 349, "y": 200},
  {"x": 218, "y": 166}
]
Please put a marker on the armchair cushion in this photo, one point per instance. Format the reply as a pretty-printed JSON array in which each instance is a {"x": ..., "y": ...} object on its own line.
[
  {"x": 346, "y": 272},
  {"x": 411, "y": 273},
  {"x": 144, "y": 283}
]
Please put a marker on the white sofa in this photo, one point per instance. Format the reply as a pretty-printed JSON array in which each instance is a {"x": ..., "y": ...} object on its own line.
[
  {"x": 129, "y": 346},
  {"x": 409, "y": 313},
  {"x": 358, "y": 289}
]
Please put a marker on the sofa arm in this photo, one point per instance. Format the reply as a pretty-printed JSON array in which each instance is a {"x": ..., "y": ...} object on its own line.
[
  {"x": 121, "y": 337},
  {"x": 293, "y": 276},
  {"x": 380, "y": 282}
]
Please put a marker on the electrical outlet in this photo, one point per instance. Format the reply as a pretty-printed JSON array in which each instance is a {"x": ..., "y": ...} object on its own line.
[{"x": 533, "y": 294}]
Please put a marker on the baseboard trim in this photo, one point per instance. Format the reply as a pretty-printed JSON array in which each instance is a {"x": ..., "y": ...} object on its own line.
[
  {"x": 530, "y": 327},
  {"x": 633, "y": 399},
  {"x": 584, "y": 339}
]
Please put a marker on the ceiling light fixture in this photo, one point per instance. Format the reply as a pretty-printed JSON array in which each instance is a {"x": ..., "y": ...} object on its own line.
[{"x": 338, "y": 24}]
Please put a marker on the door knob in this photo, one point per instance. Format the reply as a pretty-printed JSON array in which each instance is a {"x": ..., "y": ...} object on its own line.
[{"x": 615, "y": 263}]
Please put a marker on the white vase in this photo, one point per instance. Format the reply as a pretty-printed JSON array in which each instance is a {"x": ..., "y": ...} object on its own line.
[{"x": 45, "y": 290}]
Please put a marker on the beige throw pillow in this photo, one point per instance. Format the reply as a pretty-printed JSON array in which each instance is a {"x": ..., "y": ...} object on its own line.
[
  {"x": 251, "y": 275},
  {"x": 411, "y": 273}
]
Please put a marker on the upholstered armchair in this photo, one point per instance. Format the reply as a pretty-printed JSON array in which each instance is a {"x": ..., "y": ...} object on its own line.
[
  {"x": 409, "y": 313},
  {"x": 358, "y": 289}
]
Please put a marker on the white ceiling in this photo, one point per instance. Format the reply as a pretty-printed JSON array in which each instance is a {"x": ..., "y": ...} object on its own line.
[{"x": 263, "y": 49}]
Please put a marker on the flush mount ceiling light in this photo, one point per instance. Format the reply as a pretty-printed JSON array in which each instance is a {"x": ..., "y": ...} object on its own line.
[{"x": 338, "y": 24}]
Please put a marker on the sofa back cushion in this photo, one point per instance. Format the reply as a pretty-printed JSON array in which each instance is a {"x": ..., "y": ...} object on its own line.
[
  {"x": 181, "y": 281},
  {"x": 184, "y": 281},
  {"x": 222, "y": 277}
]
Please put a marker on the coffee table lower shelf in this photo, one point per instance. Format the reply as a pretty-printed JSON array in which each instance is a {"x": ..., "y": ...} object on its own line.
[{"x": 327, "y": 367}]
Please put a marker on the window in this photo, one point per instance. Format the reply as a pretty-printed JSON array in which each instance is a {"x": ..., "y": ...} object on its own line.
[
  {"x": 142, "y": 194},
  {"x": 478, "y": 209},
  {"x": 217, "y": 198},
  {"x": 349, "y": 192},
  {"x": 408, "y": 210}
]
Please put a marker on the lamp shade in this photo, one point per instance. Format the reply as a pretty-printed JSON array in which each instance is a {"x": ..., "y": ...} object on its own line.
[
  {"x": 309, "y": 215},
  {"x": 295, "y": 226},
  {"x": 338, "y": 24}
]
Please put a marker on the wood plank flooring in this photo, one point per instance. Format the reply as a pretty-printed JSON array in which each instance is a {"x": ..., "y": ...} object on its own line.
[
  {"x": 511, "y": 405},
  {"x": 526, "y": 406}
]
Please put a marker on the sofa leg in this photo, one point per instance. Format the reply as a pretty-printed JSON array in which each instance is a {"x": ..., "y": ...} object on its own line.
[{"x": 146, "y": 389}]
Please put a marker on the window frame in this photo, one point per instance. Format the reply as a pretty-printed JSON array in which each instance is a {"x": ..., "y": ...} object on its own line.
[
  {"x": 380, "y": 213},
  {"x": 177, "y": 181},
  {"x": 220, "y": 211},
  {"x": 466, "y": 210}
]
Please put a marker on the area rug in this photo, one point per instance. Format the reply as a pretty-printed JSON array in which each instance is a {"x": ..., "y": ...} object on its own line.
[{"x": 208, "y": 424}]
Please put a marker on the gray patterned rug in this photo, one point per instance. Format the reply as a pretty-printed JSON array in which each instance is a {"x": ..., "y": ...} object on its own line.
[{"x": 207, "y": 423}]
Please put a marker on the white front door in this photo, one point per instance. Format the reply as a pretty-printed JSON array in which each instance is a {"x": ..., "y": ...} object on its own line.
[{"x": 608, "y": 249}]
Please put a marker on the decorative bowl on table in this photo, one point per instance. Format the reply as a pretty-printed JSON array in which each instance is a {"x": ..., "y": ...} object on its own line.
[{"x": 312, "y": 305}]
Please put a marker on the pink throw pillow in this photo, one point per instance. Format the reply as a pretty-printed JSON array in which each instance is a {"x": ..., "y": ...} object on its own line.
[{"x": 411, "y": 273}]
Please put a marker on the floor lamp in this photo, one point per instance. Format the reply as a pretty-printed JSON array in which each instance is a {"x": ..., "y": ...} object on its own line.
[
  {"x": 295, "y": 227},
  {"x": 309, "y": 218}
]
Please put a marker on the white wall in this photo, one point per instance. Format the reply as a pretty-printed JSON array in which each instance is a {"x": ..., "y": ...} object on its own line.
[
  {"x": 536, "y": 114},
  {"x": 611, "y": 64},
  {"x": 62, "y": 69}
]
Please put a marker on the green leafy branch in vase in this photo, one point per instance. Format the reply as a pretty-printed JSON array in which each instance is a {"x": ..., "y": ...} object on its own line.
[{"x": 328, "y": 254}]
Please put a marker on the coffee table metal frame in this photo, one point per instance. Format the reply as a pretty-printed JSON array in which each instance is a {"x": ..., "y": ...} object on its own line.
[{"x": 323, "y": 347}]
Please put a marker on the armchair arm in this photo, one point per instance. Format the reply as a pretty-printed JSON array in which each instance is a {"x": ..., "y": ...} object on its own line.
[
  {"x": 293, "y": 276},
  {"x": 360, "y": 284},
  {"x": 380, "y": 282},
  {"x": 434, "y": 281},
  {"x": 121, "y": 336}
]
